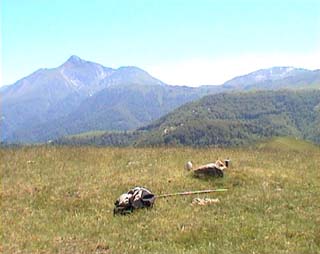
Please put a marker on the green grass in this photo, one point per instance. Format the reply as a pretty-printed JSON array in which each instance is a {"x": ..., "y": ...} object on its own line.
[
  {"x": 87, "y": 134},
  {"x": 287, "y": 144},
  {"x": 60, "y": 200}
]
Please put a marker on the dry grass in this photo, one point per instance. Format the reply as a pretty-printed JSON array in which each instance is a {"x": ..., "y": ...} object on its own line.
[{"x": 60, "y": 200}]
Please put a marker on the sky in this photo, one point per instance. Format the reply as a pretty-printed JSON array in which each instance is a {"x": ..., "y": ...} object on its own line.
[{"x": 181, "y": 42}]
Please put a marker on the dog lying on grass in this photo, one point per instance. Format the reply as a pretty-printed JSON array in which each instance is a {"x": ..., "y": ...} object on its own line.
[{"x": 211, "y": 169}]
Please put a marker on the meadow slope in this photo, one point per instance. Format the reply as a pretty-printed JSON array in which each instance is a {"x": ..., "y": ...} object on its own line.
[{"x": 60, "y": 200}]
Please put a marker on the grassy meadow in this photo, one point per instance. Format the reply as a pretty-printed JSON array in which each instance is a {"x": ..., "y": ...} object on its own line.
[{"x": 60, "y": 200}]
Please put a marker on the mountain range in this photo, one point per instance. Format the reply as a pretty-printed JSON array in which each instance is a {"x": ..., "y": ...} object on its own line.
[
  {"x": 227, "y": 119},
  {"x": 80, "y": 96}
]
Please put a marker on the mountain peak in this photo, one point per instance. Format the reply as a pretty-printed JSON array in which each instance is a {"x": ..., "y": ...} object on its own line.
[
  {"x": 75, "y": 60},
  {"x": 131, "y": 69},
  {"x": 263, "y": 76},
  {"x": 132, "y": 75}
]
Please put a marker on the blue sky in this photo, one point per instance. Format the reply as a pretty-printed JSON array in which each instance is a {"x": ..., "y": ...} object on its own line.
[{"x": 181, "y": 42}]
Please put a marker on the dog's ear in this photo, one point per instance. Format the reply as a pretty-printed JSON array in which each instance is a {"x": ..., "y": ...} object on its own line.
[{"x": 219, "y": 162}]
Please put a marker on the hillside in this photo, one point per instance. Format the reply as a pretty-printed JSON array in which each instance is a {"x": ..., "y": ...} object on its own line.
[
  {"x": 238, "y": 119},
  {"x": 60, "y": 200},
  {"x": 227, "y": 120}
]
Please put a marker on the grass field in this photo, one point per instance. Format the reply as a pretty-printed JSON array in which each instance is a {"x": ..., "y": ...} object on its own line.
[{"x": 60, "y": 200}]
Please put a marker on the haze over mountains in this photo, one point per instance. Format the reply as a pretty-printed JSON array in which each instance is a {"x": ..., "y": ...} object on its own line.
[{"x": 81, "y": 96}]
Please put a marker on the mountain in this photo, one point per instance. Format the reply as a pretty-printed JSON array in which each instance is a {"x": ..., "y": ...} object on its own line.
[
  {"x": 275, "y": 78},
  {"x": 80, "y": 96},
  {"x": 49, "y": 94},
  {"x": 240, "y": 118},
  {"x": 229, "y": 119},
  {"x": 114, "y": 108},
  {"x": 131, "y": 75}
]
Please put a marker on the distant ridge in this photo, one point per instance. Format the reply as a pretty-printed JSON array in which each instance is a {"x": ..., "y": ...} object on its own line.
[{"x": 275, "y": 78}]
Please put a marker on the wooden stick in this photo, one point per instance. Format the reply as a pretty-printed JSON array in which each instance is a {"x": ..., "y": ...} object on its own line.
[{"x": 189, "y": 193}]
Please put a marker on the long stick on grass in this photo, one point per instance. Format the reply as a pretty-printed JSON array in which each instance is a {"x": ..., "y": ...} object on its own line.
[{"x": 189, "y": 193}]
